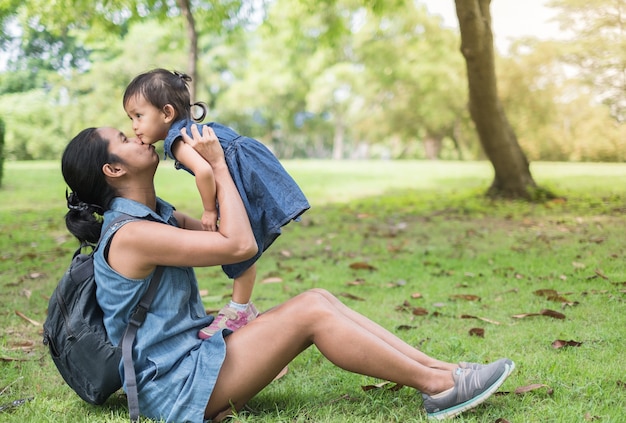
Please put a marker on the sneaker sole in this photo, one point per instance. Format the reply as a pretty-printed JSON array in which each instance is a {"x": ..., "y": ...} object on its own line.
[{"x": 458, "y": 409}]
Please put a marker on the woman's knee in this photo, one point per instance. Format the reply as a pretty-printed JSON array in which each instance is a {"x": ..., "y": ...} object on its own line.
[
  {"x": 314, "y": 301},
  {"x": 321, "y": 291}
]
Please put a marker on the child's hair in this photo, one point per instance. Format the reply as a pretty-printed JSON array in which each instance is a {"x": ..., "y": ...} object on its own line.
[{"x": 160, "y": 87}]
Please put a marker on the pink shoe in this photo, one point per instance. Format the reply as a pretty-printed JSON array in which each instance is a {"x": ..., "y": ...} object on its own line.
[{"x": 229, "y": 318}]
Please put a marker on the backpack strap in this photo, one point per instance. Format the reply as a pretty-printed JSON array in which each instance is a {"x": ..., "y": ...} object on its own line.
[{"x": 136, "y": 320}]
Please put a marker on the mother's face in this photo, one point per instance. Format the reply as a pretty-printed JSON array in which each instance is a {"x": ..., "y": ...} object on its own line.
[{"x": 130, "y": 151}]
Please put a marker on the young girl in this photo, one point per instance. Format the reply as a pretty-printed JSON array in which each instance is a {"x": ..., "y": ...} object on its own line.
[{"x": 159, "y": 104}]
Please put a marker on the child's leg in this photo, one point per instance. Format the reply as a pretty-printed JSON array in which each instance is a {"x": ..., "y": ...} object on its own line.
[
  {"x": 240, "y": 310},
  {"x": 243, "y": 285}
]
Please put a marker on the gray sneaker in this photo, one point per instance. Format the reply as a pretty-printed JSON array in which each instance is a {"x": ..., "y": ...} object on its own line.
[
  {"x": 471, "y": 387},
  {"x": 478, "y": 366}
]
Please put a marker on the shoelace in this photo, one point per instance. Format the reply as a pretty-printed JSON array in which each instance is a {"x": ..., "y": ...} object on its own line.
[
  {"x": 229, "y": 313},
  {"x": 467, "y": 383}
]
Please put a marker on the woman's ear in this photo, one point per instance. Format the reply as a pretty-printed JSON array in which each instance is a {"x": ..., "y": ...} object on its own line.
[
  {"x": 169, "y": 113},
  {"x": 113, "y": 170}
]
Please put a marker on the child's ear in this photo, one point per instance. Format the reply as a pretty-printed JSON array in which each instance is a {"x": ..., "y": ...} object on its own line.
[{"x": 169, "y": 113}]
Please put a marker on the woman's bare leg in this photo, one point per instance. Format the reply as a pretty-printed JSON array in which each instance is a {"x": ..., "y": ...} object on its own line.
[
  {"x": 387, "y": 336},
  {"x": 257, "y": 352}
]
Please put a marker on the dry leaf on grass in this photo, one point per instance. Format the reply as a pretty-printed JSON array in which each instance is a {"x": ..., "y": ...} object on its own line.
[
  {"x": 360, "y": 265},
  {"x": 559, "y": 343},
  {"x": 480, "y": 332},
  {"x": 467, "y": 297},
  {"x": 272, "y": 279},
  {"x": 533, "y": 387},
  {"x": 419, "y": 311},
  {"x": 382, "y": 385},
  {"x": 544, "y": 312},
  {"x": 29, "y": 320},
  {"x": 484, "y": 319},
  {"x": 350, "y": 296}
]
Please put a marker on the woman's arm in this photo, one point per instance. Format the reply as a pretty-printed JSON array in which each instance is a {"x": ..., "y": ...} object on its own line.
[{"x": 140, "y": 246}]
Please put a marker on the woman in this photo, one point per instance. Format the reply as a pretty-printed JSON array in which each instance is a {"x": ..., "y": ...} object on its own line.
[{"x": 181, "y": 377}]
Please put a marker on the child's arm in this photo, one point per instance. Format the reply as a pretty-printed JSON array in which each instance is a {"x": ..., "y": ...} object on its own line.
[{"x": 205, "y": 181}]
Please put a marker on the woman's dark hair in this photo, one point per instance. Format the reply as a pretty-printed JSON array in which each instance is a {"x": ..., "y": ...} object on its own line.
[
  {"x": 91, "y": 195},
  {"x": 161, "y": 87}
]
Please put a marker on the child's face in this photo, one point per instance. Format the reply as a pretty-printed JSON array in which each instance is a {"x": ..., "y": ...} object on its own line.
[{"x": 149, "y": 123}]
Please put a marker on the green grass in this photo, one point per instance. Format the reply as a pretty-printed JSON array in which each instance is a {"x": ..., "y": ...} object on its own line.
[{"x": 425, "y": 229}]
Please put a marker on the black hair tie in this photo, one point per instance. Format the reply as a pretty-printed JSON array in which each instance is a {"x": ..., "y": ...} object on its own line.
[
  {"x": 199, "y": 111},
  {"x": 75, "y": 203},
  {"x": 183, "y": 76}
]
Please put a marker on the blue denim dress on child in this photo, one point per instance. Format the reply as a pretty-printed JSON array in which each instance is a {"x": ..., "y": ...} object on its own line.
[
  {"x": 176, "y": 371},
  {"x": 270, "y": 195}
]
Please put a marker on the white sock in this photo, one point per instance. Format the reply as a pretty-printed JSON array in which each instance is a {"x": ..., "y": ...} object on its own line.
[{"x": 237, "y": 306}]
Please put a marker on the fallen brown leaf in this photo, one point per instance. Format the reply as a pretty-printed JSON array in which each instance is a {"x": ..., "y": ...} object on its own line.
[
  {"x": 31, "y": 321},
  {"x": 601, "y": 274},
  {"x": 484, "y": 319},
  {"x": 590, "y": 418},
  {"x": 419, "y": 311},
  {"x": 8, "y": 359},
  {"x": 272, "y": 279},
  {"x": 533, "y": 387},
  {"x": 350, "y": 296},
  {"x": 559, "y": 343},
  {"x": 480, "y": 332},
  {"x": 546, "y": 293},
  {"x": 416, "y": 295},
  {"x": 545, "y": 312},
  {"x": 405, "y": 327},
  {"x": 359, "y": 265},
  {"x": 382, "y": 385},
  {"x": 552, "y": 313},
  {"x": 467, "y": 297}
]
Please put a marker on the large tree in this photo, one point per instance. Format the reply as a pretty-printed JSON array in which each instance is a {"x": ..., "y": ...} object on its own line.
[{"x": 512, "y": 172}]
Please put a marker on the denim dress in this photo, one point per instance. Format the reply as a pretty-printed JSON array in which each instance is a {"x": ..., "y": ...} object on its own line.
[
  {"x": 176, "y": 371},
  {"x": 270, "y": 195}
]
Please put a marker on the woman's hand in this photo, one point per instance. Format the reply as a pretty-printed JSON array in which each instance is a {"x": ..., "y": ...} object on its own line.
[{"x": 207, "y": 144}]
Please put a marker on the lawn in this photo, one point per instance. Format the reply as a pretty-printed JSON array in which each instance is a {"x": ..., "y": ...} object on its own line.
[{"x": 412, "y": 245}]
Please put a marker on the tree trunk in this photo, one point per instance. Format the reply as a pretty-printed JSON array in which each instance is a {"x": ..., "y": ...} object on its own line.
[
  {"x": 192, "y": 35},
  {"x": 512, "y": 173},
  {"x": 338, "y": 137}
]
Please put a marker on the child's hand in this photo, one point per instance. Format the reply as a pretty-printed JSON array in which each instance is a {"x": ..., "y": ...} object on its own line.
[
  {"x": 209, "y": 220},
  {"x": 206, "y": 144}
]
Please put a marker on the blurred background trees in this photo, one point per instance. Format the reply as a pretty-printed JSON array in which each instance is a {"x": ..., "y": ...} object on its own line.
[{"x": 331, "y": 79}]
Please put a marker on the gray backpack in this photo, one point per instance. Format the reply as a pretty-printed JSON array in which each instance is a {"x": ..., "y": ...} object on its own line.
[{"x": 75, "y": 335}]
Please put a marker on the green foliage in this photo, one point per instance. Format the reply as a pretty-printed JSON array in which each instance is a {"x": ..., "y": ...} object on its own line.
[
  {"x": 2, "y": 130},
  {"x": 426, "y": 229},
  {"x": 552, "y": 119},
  {"x": 338, "y": 78},
  {"x": 598, "y": 51},
  {"x": 33, "y": 128}
]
